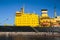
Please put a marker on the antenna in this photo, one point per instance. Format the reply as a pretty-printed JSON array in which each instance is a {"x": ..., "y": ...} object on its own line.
[
  {"x": 22, "y": 9},
  {"x": 18, "y": 4}
]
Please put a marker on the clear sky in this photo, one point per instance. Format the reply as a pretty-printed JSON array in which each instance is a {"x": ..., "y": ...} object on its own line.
[{"x": 9, "y": 7}]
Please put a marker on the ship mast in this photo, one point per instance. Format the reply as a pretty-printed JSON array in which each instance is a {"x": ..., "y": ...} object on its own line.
[
  {"x": 22, "y": 10},
  {"x": 55, "y": 15}
]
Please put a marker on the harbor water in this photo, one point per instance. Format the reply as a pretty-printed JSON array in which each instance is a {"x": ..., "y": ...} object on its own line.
[
  {"x": 32, "y": 38},
  {"x": 29, "y": 36}
]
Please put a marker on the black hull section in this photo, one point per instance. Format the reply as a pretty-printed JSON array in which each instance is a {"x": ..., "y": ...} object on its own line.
[{"x": 28, "y": 29}]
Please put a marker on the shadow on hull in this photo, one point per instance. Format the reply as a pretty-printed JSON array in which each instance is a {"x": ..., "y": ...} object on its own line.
[{"x": 28, "y": 29}]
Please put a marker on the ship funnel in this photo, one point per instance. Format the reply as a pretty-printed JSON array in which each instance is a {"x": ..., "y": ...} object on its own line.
[{"x": 44, "y": 11}]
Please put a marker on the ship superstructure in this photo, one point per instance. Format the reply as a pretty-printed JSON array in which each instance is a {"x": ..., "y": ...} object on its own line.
[
  {"x": 26, "y": 19},
  {"x": 34, "y": 20}
]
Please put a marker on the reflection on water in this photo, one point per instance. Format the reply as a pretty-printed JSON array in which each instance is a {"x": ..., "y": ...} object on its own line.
[{"x": 28, "y": 38}]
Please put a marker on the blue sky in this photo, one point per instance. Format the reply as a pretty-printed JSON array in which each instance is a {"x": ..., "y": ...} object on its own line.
[{"x": 9, "y": 7}]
